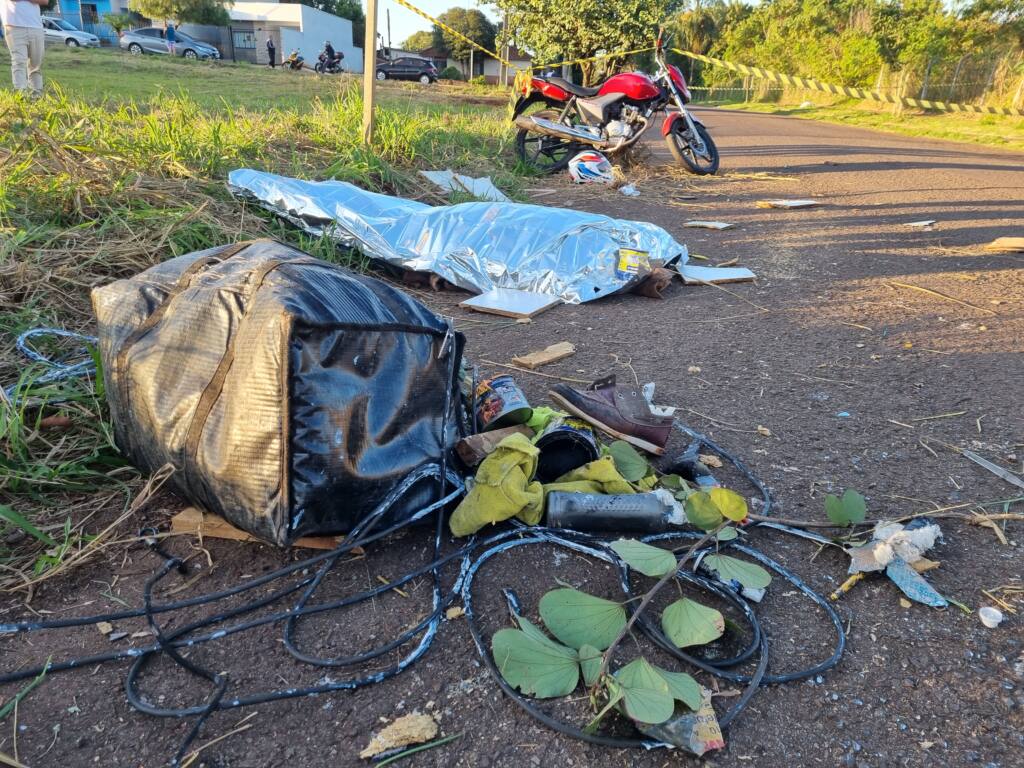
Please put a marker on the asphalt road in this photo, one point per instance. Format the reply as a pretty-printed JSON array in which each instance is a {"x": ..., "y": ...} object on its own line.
[{"x": 855, "y": 380}]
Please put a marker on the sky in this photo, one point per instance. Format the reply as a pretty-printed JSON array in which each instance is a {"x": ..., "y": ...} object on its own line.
[{"x": 404, "y": 22}]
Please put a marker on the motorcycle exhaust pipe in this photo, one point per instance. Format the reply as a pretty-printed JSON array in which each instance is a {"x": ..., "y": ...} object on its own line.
[
  {"x": 561, "y": 131},
  {"x": 576, "y": 133}
]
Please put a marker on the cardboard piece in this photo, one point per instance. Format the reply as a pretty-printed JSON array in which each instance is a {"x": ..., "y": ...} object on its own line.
[
  {"x": 787, "y": 203},
  {"x": 482, "y": 189},
  {"x": 509, "y": 302},
  {"x": 694, "y": 275},
  {"x": 475, "y": 448},
  {"x": 551, "y": 354},
  {"x": 1006, "y": 245},
  {"x": 195, "y": 520},
  {"x": 708, "y": 225}
]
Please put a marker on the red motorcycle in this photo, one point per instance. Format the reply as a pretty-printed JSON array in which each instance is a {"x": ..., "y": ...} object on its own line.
[{"x": 610, "y": 118}]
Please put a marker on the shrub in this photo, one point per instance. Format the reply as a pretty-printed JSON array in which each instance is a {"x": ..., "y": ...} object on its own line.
[
  {"x": 479, "y": 80},
  {"x": 450, "y": 73}
]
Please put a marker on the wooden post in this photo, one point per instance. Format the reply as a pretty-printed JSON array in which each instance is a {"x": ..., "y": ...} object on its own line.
[{"x": 369, "y": 69}]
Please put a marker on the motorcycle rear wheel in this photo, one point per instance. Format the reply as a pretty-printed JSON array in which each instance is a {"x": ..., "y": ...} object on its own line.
[
  {"x": 544, "y": 154},
  {"x": 685, "y": 155}
]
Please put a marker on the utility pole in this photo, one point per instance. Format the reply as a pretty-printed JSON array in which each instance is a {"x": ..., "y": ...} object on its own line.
[
  {"x": 388, "y": 13},
  {"x": 369, "y": 69}
]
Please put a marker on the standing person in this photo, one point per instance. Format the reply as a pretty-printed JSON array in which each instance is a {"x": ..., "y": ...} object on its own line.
[
  {"x": 271, "y": 52},
  {"x": 23, "y": 31},
  {"x": 171, "y": 38}
]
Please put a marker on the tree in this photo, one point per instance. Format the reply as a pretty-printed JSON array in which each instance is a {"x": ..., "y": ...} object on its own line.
[
  {"x": 1005, "y": 16},
  {"x": 118, "y": 22},
  {"x": 555, "y": 30},
  {"x": 419, "y": 41},
  {"x": 194, "y": 11},
  {"x": 471, "y": 23}
]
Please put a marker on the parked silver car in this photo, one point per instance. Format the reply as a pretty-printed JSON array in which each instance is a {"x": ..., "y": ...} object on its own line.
[
  {"x": 151, "y": 40},
  {"x": 66, "y": 33}
]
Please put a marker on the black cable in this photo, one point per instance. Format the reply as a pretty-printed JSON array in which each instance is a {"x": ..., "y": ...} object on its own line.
[{"x": 369, "y": 531}]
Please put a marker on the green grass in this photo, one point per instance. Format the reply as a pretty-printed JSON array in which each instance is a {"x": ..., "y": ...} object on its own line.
[
  {"x": 122, "y": 164},
  {"x": 989, "y": 130}
]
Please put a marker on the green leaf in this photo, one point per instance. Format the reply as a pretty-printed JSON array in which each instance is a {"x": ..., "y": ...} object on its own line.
[
  {"x": 646, "y": 695},
  {"x": 579, "y": 619},
  {"x": 537, "y": 667},
  {"x": 590, "y": 663},
  {"x": 702, "y": 512},
  {"x": 650, "y": 561},
  {"x": 834, "y": 510},
  {"x": 850, "y": 509},
  {"x": 727, "y": 534},
  {"x": 728, "y": 568},
  {"x": 686, "y": 622},
  {"x": 854, "y": 506},
  {"x": 629, "y": 463},
  {"x": 682, "y": 687},
  {"x": 674, "y": 483},
  {"x": 729, "y": 503},
  {"x": 534, "y": 632},
  {"x": 18, "y": 521}
]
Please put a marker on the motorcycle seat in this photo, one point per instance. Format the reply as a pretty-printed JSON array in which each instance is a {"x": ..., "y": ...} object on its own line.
[{"x": 575, "y": 90}]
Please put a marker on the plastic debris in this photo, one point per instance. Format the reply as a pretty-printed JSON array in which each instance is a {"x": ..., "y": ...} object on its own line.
[
  {"x": 913, "y": 584},
  {"x": 629, "y": 190},
  {"x": 708, "y": 225},
  {"x": 482, "y": 189},
  {"x": 696, "y": 732},
  {"x": 894, "y": 540},
  {"x": 410, "y": 729},
  {"x": 990, "y": 617},
  {"x": 787, "y": 203}
]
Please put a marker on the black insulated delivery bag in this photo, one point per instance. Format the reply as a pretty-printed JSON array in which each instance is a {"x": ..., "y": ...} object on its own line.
[{"x": 290, "y": 394}]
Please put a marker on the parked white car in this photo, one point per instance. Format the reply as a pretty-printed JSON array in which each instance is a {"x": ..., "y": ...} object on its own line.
[{"x": 62, "y": 31}]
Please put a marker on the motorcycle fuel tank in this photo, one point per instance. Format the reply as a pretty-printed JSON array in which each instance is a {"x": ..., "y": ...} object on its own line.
[{"x": 633, "y": 85}]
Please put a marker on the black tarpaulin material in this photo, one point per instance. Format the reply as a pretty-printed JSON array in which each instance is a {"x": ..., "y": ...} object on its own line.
[{"x": 290, "y": 394}]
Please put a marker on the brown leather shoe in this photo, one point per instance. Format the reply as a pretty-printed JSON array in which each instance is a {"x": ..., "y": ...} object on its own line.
[{"x": 620, "y": 411}]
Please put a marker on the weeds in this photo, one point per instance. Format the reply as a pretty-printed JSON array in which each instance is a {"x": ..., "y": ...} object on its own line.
[{"x": 95, "y": 186}]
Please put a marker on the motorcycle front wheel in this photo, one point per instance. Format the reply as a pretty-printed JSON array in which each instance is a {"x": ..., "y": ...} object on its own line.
[
  {"x": 544, "y": 154},
  {"x": 701, "y": 163}
]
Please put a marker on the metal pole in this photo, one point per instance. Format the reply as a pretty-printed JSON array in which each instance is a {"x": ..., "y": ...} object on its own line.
[
  {"x": 388, "y": 14},
  {"x": 369, "y": 69},
  {"x": 470, "y": 63}
]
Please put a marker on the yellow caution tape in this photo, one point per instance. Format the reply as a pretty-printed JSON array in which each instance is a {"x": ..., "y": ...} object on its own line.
[
  {"x": 593, "y": 58},
  {"x": 845, "y": 90},
  {"x": 454, "y": 32}
]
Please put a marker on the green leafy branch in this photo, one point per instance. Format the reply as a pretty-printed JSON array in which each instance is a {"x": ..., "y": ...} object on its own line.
[{"x": 589, "y": 629}]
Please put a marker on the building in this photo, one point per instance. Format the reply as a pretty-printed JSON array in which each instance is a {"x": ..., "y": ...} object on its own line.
[
  {"x": 292, "y": 27},
  {"x": 494, "y": 71},
  {"x": 88, "y": 16},
  {"x": 483, "y": 65}
]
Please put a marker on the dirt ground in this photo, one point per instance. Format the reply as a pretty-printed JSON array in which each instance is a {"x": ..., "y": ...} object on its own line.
[{"x": 826, "y": 330}]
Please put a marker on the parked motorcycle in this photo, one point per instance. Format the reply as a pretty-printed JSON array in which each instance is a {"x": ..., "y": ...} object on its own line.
[
  {"x": 611, "y": 117},
  {"x": 327, "y": 65},
  {"x": 294, "y": 61}
]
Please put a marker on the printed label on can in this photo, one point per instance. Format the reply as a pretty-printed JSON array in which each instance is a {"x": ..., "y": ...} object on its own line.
[{"x": 630, "y": 261}]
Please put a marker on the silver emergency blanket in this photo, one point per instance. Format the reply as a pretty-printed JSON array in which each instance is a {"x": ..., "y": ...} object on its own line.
[{"x": 575, "y": 255}]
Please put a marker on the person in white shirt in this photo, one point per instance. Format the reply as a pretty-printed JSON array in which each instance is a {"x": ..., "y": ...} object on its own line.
[{"x": 23, "y": 31}]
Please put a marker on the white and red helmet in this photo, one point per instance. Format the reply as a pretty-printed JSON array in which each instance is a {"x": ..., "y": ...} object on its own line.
[{"x": 590, "y": 166}]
